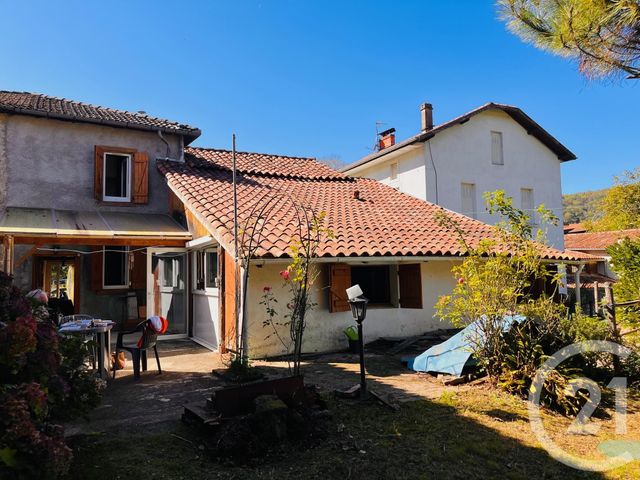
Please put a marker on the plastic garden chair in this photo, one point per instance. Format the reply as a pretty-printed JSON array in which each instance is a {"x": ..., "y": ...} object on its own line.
[{"x": 138, "y": 350}]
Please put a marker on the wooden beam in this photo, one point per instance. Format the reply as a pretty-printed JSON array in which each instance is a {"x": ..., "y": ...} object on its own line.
[
  {"x": 24, "y": 256},
  {"x": 133, "y": 242}
]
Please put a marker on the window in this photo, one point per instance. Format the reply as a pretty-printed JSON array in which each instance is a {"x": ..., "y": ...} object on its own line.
[
  {"x": 206, "y": 270},
  {"x": 117, "y": 177},
  {"x": 390, "y": 285},
  {"x": 393, "y": 174},
  {"x": 211, "y": 262},
  {"x": 115, "y": 267},
  {"x": 497, "y": 153},
  {"x": 526, "y": 203},
  {"x": 468, "y": 200},
  {"x": 374, "y": 281}
]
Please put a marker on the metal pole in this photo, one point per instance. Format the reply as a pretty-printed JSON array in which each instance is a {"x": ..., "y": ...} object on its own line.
[
  {"x": 239, "y": 326},
  {"x": 363, "y": 380},
  {"x": 235, "y": 202}
]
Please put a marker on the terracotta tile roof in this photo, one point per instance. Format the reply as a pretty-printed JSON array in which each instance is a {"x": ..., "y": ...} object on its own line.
[
  {"x": 574, "y": 228},
  {"x": 588, "y": 280},
  {"x": 381, "y": 221},
  {"x": 597, "y": 240},
  {"x": 63, "y": 109},
  {"x": 262, "y": 164}
]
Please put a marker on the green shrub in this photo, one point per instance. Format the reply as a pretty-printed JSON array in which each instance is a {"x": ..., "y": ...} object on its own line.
[{"x": 37, "y": 385}]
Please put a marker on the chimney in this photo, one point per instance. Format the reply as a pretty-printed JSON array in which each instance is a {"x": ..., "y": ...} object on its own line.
[
  {"x": 426, "y": 114},
  {"x": 386, "y": 139}
]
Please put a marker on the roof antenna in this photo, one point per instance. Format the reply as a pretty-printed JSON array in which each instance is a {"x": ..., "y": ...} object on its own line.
[{"x": 375, "y": 142}]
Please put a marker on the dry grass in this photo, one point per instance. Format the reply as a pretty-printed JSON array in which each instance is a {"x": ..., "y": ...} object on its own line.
[{"x": 472, "y": 432}]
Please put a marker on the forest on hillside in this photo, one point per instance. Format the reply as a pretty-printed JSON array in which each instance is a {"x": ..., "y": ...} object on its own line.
[{"x": 582, "y": 206}]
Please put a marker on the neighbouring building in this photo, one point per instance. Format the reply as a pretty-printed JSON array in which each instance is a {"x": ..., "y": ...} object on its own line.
[{"x": 494, "y": 147}]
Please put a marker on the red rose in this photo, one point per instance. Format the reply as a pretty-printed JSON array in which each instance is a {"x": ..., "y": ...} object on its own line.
[
  {"x": 461, "y": 280},
  {"x": 285, "y": 274},
  {"x": 266, "y": 289}
]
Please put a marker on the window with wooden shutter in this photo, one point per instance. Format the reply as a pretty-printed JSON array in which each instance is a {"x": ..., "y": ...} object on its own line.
[
  {"x": 140, "y": 177},
  {"x": 497, "y": 152},
  {"x": 139, "y": 270},
  {"x": 114, "y": 172},
  {"x": 468, "y": 192},
  {"x": 98, "y": 172},
  {"x": 410, "y": 286},
  {"x": 96, "y": 259},
  {"x": 340, "y": 277}
]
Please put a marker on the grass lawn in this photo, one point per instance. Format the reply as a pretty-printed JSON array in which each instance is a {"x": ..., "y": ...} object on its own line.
[{"x": 474, "y": 432}]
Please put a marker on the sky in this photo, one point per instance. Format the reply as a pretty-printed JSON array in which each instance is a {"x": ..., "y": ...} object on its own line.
[{"x": 312, "y": 78}]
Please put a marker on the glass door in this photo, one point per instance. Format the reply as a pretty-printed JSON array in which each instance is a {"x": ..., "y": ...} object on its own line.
[{"x": 167, "y": 287}]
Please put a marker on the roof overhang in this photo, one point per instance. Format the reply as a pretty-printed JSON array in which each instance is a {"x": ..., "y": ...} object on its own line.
[{"x": 71, "y": 226}]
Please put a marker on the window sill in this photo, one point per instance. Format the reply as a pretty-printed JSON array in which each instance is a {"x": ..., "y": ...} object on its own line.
[{"x": 117, "y": 204}]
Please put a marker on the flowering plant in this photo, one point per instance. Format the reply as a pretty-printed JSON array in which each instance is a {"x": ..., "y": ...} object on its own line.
[{"x": 37, "y": 384}]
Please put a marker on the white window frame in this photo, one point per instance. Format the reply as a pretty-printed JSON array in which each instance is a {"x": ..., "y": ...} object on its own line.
[
  {"x": 205, "y": 257},
  {"x": 107, "y": 198},
  {"x": 500, "y": 159},
  {"x": 126, "y": 269}
]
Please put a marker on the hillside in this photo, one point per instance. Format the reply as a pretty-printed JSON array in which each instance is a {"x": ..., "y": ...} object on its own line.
[{"x": 581, "y": 206}]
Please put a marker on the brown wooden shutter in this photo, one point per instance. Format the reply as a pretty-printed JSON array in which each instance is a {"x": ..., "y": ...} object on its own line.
[
  {"x": 96, "y": 269},
  {"x": 340, "y": 276},
  {"x": 410, "y": 286},
  {"x": 140, "y": 177},
  {"x": 98, "y": 171},
  {"x": 139, "y": 270}
]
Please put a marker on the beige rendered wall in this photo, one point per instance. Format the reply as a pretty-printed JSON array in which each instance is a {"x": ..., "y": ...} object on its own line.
[{"x": 324, "y": 330}]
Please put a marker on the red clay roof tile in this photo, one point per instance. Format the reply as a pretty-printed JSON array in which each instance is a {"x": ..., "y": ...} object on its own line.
[{"x": 382, "y": 222}]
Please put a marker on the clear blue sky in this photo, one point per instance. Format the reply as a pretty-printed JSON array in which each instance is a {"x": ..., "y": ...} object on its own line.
[{"x": 312, "y": 78}]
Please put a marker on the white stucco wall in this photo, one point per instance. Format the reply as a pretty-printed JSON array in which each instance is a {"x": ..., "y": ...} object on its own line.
[
  {"x": 462, "y": 154},
  {"x": 50, "y": 163},
  {"x": 324, "y": 330}
]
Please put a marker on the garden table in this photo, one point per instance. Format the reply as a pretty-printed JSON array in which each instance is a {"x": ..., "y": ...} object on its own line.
[{"x": 101, "y": 330}]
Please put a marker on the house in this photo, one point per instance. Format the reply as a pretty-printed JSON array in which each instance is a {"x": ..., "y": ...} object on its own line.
[
  {"x": 594, "y": 275},
  {"x": 116, "y": 211},
  {"x": 82, "y": 204},
  {"x": 388, "y": 242},
  {"x": 494, "y": 147}
]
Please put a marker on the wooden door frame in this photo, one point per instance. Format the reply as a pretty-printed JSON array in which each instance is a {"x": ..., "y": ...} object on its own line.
[{"x": 37, "y": 262}]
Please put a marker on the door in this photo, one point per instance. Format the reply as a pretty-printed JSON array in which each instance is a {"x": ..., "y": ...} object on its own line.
[
  {"x": 205, "y": 297},
  {"x": 167, "y": 288}
]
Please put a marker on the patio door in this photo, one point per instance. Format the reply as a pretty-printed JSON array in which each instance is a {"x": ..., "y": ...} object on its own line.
[{"x": 167, "y": 288}]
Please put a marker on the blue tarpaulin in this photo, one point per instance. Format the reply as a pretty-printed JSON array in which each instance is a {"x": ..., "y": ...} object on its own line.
[{"x": 452, "y": 355}]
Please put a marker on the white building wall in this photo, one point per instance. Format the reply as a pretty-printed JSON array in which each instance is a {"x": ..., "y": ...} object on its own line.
[
  {"x": 324, "y": 332},
  {"x": 462, "y": 154}
]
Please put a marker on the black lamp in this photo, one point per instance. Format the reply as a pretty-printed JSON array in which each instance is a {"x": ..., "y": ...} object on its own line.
[
  {"x": 359, "y": 308},
  {"x": 358, "y": 305}
]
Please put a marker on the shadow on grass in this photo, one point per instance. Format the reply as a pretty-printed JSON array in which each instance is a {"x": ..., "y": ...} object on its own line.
[{"x": 425, "y": 439}]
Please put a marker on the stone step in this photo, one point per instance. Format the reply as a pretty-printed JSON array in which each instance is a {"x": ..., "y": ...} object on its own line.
[{"x": 199, "y": 414}]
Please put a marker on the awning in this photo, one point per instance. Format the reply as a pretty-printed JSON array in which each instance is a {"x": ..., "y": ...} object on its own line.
[{"x": 69, "y": 224}]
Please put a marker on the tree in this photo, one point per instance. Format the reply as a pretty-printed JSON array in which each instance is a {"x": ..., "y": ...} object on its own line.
[
  {"x": 582, "y": 206},
  {"x": 620, "y": 207},
  {"x": 299, "y": 277},
  {"x": 625, "y": 260},
  {"x": 603, "y": 35}
]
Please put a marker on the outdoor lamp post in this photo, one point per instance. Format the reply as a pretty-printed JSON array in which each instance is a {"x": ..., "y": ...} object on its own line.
[{"x": 359, "y": 310}]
